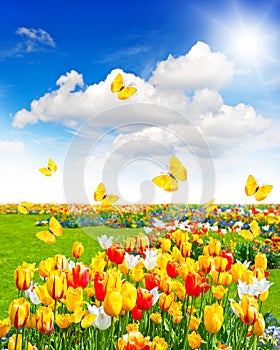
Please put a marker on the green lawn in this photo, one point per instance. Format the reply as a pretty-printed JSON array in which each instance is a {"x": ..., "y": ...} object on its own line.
[{"x": 19, "y": 243}]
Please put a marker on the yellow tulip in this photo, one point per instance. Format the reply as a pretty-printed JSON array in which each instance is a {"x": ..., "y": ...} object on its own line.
[
  {"x": 237, "y": 270},
  {"x": 179, "y": 290},
  {"x": 162, "y": 260},
  {"x": 214, "y": 247},
  {"x": 205, "y": 263},
  {"x": 12, "y": 342},
  {"x": 74, "y": 298},
  {"x": 165, "y": 245},
  {"x": 137, "y": 274},
  {"x": 63, "y": 320},
  {"x": 57, "y": 285},
  {"x": 158, "y": 344},
  {"x": 19, "y": 310},
  {"x": 43, "y": 295},
  {"x": 260, "y": 261},
  {"x": 213, "y": 317},
  {"x": 247, "y": 309},
  {"x": 195, "y": 340},
  {"x": 219, "y": 292},
  {"x": 45, "y": 267},
  {"x": 87, "y": 320},
  {"x": 165, "y": 301},
  {"x": 156, "y": 317},
  {"x": 5, "y": 326},
  {"x": 45, "y": 319},
  {"x": 113, "y": 281},
  {"x": 23, "y": 278},
  {"x": 194, "y": 323},
  {"x": 77, "y": 250},
  {"x": 113, "y": 303},
  {"x": 98, "y": 264},
  {"x": 60, "y": 262},
  {"x": 259, "y": 325},
  {"x": 247, "y": 277},
  {"x": 185, "y": 249},
  {"x": 166, "y": 284},
  {"x": 129, "y": 296},
  {"x": 176, "y": 254},
  {"x": 263, "y": 296},
  {"x": 31, "y": 321},
  {"x": 220, "y": 263}
]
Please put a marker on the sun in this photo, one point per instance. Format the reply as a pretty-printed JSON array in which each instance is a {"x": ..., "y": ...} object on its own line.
[{"x": 248, "y": 45}]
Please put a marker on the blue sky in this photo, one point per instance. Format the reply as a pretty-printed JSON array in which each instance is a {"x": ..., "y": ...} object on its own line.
[{"x": 215, "y": 63}]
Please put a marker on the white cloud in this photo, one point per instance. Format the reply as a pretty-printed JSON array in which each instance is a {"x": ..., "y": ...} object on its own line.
[
  {"x": 199, "y": 68},
  {"x": 14, "y": 146},
  {"x": 34, "y": 37}
]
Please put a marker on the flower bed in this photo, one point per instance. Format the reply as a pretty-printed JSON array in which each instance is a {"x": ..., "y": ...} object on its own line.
[{"x": 181, "y": 290}]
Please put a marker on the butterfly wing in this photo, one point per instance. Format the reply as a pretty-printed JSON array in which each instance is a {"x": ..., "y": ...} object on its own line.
[
  {"x": 167, "y": 182},
  {"x": 55, "y": 227},
  {"x": 22, "y": 210},
  {"x": 117, "y": 84},
  {"x": 251, "y": 185},
  {"x": 23, "y": 207},
  {"x": 262, "y": 192},
  {"x": 46, "y": 171},
  {"x": 112, "y": 198},
  {"x": 100, "y": 192},
  {"x": 46, "y": 236},
  {"x": 126, "y": 92},
  {"x": 51, "y": 165},
  {"x": 177, "y": 169},
  {"x": 247, "y": 234},
  {"x": 210, "y": 206},
  {"x": 107, "y": 205},
  {"x": 255, "y": 229}
]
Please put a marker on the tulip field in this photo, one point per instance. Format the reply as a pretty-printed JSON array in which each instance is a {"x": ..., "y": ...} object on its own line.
[{"x": 149, "y": 277}]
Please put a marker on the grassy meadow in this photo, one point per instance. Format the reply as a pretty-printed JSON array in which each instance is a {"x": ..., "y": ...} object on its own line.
[{"x": 19, "y": 243}]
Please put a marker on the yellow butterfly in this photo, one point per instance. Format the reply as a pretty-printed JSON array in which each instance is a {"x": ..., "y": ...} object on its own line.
[
  {"x": 169, "y": 182},
  {"x": 48, "y": 236},
  {"x": 251, "y": 234},
  {"x": 252, "y": 188},
  {"x": 107, "y": 200},
  {"x": 24, "y": 207},
  {"x": 210, "y": 206},
  {"x": 52, "y": 167},
  {"x": 124, "y": 92}
]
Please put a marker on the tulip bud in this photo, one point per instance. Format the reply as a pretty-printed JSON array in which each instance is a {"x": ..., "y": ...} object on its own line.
[
  {"x": 19, "y": 310},
  {"x": 259, "y": 325},
  {"x": 129, "y": 296},
  {"x": 261, "y": 261},
  {"x": 77, "y": 250},
  {"x": 23, "y": 278},
  {"x": 45, "y": 320},
  {"x": 213, "y": 318},
  {"x": 57, "y": 285},
  {"x": 113, "y": 303}
]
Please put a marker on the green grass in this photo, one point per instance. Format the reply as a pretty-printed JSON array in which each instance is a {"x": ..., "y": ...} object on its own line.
[{"x": 19, "y": 243}]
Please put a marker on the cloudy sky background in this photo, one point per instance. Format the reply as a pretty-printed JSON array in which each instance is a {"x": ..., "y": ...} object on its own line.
[{"x": 207, "y": 79}]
